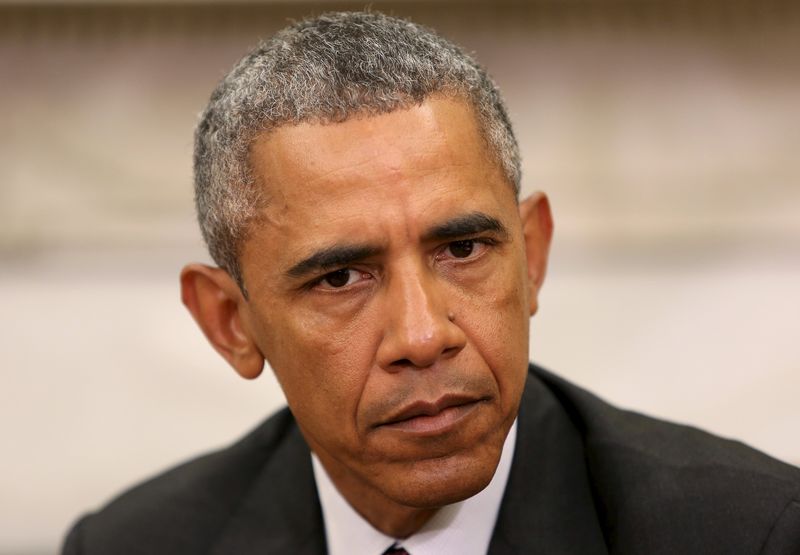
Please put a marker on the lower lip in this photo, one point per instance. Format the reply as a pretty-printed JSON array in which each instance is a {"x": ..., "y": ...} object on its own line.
[{"x": 436, "y": 424}]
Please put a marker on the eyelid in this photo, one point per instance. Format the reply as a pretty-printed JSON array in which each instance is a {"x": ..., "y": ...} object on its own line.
[
  {"x": 482, "y": 240},
  {"x": 486, "y": 240},
  {"x": 317, "y": 281}
]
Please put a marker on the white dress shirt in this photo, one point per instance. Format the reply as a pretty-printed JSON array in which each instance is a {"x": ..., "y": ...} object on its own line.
[{"x": 464, "y": 528}]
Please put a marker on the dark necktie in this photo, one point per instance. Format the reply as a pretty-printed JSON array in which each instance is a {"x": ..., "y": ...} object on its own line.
[{"x": 395, "y": 551}]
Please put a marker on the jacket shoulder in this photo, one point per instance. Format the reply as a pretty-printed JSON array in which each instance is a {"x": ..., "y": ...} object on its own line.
[
  {"x": 183, "y": 509},
  {"x": 662, "y": 487}
]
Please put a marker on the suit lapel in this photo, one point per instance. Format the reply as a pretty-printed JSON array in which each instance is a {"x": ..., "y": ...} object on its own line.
[
  {"x": 281, "y": 511},
  {"x": 547, "y": 506}
]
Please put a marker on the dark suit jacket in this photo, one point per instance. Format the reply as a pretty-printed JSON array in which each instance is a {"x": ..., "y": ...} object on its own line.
[{"x": 586, "y": 478}]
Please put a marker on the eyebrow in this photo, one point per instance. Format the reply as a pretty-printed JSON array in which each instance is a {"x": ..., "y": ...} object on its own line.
[
  {"x": 332, "y": 257},
  {"x": 468, "y": 224}
]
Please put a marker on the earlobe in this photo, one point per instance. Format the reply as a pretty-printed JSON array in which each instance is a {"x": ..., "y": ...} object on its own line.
[
  {"x": 537, "y": 229},
  {"x": 217, "y": 305}
]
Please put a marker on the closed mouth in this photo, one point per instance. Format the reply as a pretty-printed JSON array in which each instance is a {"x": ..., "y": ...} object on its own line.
[{"x": 426, "y": 417}]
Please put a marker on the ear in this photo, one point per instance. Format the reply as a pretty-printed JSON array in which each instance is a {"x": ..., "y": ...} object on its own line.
[
  {"x": 218, "y": 306},
  {"x": 537, "y": 228}
]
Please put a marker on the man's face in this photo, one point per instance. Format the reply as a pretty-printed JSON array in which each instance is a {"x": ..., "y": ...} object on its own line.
[{"x": 389, "y": 292}]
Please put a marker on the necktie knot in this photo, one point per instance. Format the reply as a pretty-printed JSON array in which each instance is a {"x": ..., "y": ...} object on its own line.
[{"x": 395, "y": 550}]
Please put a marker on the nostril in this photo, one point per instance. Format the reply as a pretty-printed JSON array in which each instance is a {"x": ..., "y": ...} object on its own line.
[
  {"x": 451, "y": 351},
  {"x": 403, "y": 362}
]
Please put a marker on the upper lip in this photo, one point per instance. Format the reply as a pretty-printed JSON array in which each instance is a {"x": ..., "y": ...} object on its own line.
[{"x": 428, "y": 408}]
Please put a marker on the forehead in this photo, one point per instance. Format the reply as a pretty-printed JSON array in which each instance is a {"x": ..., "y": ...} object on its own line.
[
  {"x": 439, "y": 124},
  {"x": 369, "y": 174}
]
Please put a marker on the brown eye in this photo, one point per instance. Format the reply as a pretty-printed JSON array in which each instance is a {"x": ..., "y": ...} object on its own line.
[
  {"x": 462, "y": 249},
  {"x": 339, "y": 278}
]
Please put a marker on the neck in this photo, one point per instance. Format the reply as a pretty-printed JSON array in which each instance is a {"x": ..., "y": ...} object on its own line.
[
  {"x": 384, "y": 514},
  {"x": 401, "y": 523}
]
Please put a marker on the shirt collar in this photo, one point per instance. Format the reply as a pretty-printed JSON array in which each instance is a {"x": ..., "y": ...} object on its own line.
[{"x": 464, "y": 527}]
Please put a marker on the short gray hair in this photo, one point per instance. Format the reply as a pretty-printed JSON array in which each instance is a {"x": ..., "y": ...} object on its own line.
[{"x": 325, "y": 70}]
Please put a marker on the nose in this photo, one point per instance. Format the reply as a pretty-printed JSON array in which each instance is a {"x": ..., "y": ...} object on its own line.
[{"x": 420, "y": 327}]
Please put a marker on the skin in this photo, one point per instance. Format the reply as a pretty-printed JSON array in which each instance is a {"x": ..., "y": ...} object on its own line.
[{"x": 404, "y": 356}]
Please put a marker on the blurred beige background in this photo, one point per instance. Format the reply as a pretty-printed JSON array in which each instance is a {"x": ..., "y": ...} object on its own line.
[{"x": 666, "y": 133}]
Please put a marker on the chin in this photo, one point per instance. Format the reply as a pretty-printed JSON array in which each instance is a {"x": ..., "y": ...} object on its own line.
[{"x": 439, "y": 482}]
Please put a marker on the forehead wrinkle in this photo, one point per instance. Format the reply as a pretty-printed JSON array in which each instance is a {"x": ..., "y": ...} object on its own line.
[
  {"x": 329, "y": 139},
  {"x": 332, "y": 175}
]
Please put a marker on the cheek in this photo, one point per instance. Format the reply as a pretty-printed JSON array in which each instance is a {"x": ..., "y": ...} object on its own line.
[
  {"x": 497, "y": 324},
  {"x": 321, "y": 363}
]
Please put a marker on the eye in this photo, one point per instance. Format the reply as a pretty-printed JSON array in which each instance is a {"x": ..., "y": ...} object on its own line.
[
  {"x": 340, "y": 278},
  {"x": 461, "y": 249}
]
